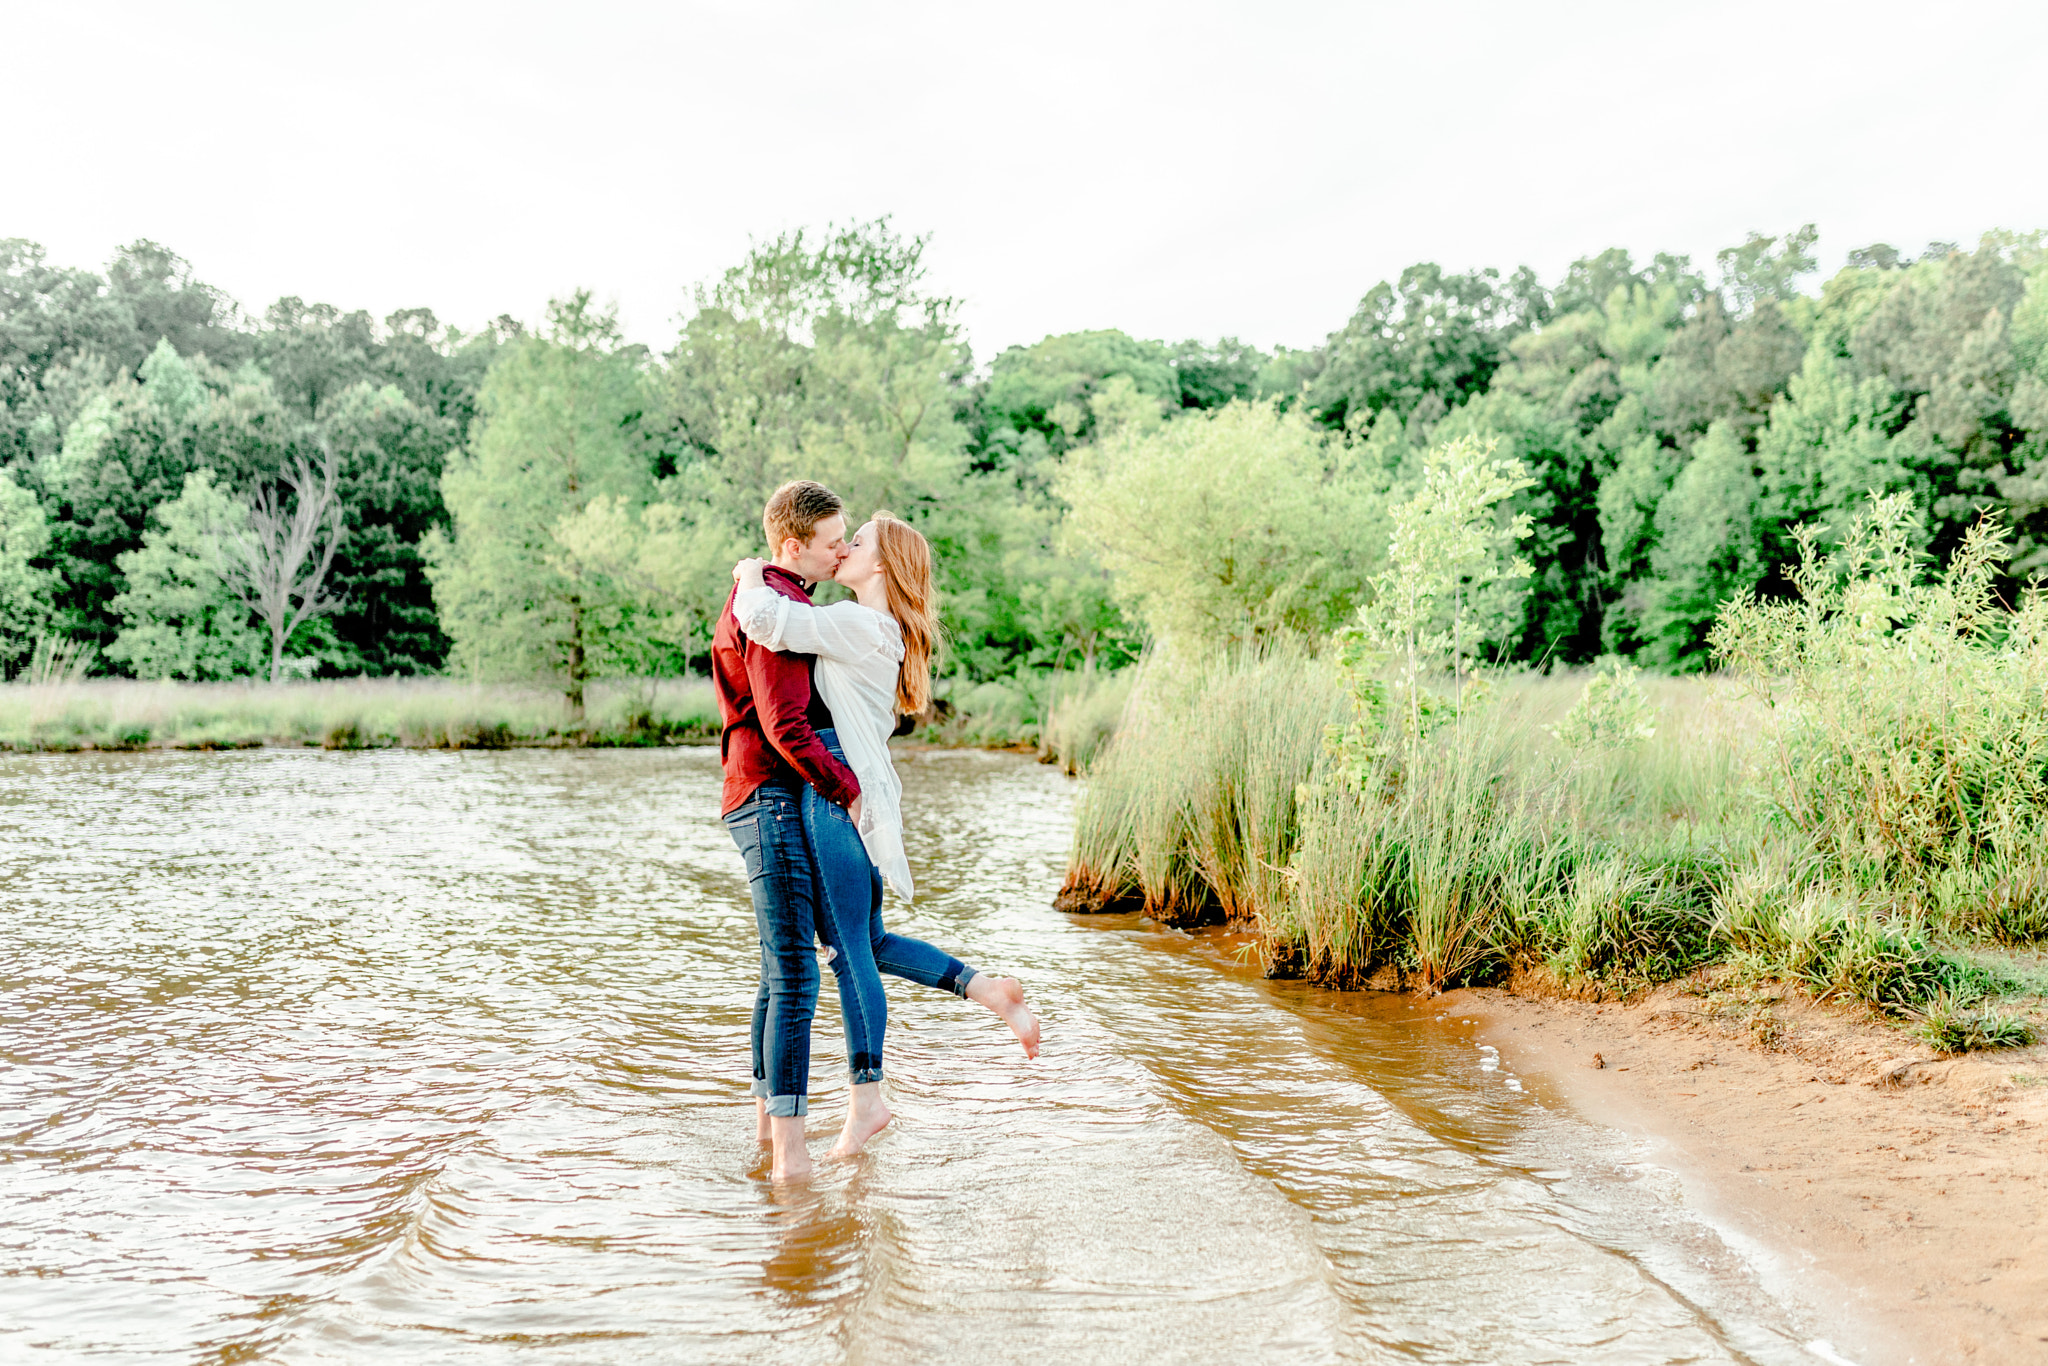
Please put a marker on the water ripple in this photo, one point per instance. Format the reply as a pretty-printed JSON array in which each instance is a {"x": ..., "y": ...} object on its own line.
[{"x": 441, "y": 1057}]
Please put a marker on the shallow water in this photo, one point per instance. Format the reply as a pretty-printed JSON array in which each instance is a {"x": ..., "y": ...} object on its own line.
[{"x": 404, "y": 1056}]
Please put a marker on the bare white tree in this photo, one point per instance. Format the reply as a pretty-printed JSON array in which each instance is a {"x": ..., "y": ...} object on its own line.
[{"x": 278, "y": 563}]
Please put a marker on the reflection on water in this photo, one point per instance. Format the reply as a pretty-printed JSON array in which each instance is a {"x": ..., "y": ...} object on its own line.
[{"x": 441, "y": 1057}]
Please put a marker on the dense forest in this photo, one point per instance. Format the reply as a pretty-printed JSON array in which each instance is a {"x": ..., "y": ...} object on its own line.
[{"x": 552, "y": 501}]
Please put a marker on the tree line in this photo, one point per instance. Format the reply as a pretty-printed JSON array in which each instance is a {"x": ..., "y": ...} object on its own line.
[{"x": 557, "y": 502}]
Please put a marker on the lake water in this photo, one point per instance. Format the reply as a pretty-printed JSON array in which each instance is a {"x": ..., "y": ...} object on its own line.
[{"x": 441, "y": 1057}]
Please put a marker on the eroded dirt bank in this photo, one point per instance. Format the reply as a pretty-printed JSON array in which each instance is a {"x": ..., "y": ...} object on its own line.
[{"x": 1904, "y": 1191}]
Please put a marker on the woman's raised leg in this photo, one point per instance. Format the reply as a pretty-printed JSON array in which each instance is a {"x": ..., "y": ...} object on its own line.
[{"x": 916, "y": 961}]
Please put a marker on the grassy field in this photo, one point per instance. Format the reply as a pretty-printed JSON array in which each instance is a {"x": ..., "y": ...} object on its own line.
[
  {"x": 1066, "y": 718},
  {"x": 1495, "y": 851},
  {"x": 112, "y": 714}
]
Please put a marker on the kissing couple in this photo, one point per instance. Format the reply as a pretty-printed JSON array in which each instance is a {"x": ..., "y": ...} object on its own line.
[{"x": 809, "y": 697}]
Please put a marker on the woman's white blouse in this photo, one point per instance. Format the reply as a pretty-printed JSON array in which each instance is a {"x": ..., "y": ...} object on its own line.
[{"x": 859, "y": 652}]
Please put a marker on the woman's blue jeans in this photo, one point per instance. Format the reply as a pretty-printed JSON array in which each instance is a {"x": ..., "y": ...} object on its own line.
[
  {"x": 850, "y": 923},
  {"x": 783, "y": 878}
]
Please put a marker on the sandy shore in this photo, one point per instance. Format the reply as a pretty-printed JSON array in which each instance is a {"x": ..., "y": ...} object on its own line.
[{"x": 1901, "y": 1196}]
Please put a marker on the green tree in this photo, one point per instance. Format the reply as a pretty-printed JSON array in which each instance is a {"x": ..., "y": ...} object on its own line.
[
  {"x": 1213, "y": 375},
  {"x": 179, "y": 619},
  {"x": 166, "y": 304},
  {"x": 50, "y": 318},
  {"x": 1425, "y": 343},
  {"x": 1450, "y": 543},
  {"x": 561, "y": 423},
  {"x": 1709, "y": 549},
  {"x": 392, "y": 455},
  {"x": 25, "y": 589},
  {"x": 121, "y": 456},
  {"x": 1827, "y": 448},
  {"x": 1228, "y": 526},
  {"x": 314, "y": 352},
  {"x": 1937, "y": 334},
  {"x": 1766, "y": 268},
  {"x": 1037, "y": 399},
  {"x": 1628, "y": 498}
]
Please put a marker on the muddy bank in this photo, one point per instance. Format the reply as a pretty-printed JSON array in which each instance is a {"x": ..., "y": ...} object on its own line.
[{"x": 1904, "y": 1192}]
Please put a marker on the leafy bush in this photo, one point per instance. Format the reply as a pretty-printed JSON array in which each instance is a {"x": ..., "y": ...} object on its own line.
[
  {"x": 1614, "y": 712},
  {"x": 1910, "y": 715},
  {"x": 1952, "y": 1028}
]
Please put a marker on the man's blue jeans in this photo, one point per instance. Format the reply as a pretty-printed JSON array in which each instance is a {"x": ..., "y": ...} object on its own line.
[{"x": 782, "y": 876}]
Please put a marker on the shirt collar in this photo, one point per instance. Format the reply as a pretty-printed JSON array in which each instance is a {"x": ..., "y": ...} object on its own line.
[{"x": 794, "y": 581}]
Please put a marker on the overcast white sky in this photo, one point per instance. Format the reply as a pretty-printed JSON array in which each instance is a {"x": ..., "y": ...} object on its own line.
[{"x": 1175, "y": 169}]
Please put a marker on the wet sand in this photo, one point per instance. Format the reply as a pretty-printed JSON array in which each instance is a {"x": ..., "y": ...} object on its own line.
[{"x": 1902, "y": 1196}]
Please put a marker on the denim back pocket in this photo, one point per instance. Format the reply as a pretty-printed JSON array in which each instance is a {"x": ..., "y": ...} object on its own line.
[{"x": 746, "y": 833}]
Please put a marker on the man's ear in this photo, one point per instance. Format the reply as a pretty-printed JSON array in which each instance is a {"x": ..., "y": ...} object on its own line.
[{"x": 790, "y": 548}]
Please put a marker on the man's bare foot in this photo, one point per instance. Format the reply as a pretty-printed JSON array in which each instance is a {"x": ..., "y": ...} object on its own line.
[
  {"x": 761, "y": 1134},
  {"x": 1005, "y": 996},
  {"x": 792, "y": 1155},
  {"x": 866, "y": 1116}
]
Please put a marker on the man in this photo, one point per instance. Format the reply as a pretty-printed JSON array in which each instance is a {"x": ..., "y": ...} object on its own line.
[{"x": 770, "y": 749}]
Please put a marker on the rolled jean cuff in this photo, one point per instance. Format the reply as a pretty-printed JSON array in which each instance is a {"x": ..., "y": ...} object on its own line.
[
  {"x": 759, "y": 1088},
  {"x": 787, "y": 1107},
  {"x": 861, "y": 1076},
  {"x": 958, "y": 985}
]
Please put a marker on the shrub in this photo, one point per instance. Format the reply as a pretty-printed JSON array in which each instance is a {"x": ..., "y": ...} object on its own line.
[
  {"x": 1952, "y": 1028},
  {"x": 342, "y": 734},
  {"x": 1909, "y": 717},
  {"x": 1612, "y": 713}
]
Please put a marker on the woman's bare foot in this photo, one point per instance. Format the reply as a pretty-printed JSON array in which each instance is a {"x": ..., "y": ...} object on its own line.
[
  {"x": 866, "y": 1116},
  {"x": 761, "y": 1134},
  {"x": 1005, "y": 996}
]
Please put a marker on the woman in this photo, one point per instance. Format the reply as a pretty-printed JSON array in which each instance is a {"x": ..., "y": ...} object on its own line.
[{"x": 874, "y": 664}]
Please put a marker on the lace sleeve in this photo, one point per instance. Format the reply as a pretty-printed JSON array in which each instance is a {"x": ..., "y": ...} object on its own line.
[{"x": 759, "y": 616}]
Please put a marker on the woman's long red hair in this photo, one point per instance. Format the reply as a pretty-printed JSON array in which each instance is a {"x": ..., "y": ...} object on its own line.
[{"x": 906, "y": 559}]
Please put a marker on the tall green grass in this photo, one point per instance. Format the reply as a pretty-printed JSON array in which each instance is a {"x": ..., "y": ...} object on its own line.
[
  {"x": 351, "y": 714},
  {"x": 1082, "y": 717},
  {"x": 1491, "y": 847},
  {"x": 1191, "y": 810},
  {"x": 1067, "y": 716}
]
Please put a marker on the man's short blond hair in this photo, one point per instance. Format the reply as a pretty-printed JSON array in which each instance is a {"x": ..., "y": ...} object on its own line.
[{"x": 795, "y": 509}]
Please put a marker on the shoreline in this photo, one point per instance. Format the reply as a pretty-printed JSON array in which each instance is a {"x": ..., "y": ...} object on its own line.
[
  {"x": 593, "y": 741},
  {"x": 1902, "y": 1195}
]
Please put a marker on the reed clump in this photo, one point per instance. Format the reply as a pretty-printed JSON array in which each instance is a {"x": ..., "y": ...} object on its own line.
[
  {"x": 1085, "y": 709},
  {"x": 112, "y": 714},
  {"x": 1191, "y": 809}
]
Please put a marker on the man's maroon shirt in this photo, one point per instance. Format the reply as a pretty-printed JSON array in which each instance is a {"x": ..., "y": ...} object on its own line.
[{"x": 771, "y": 712}]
